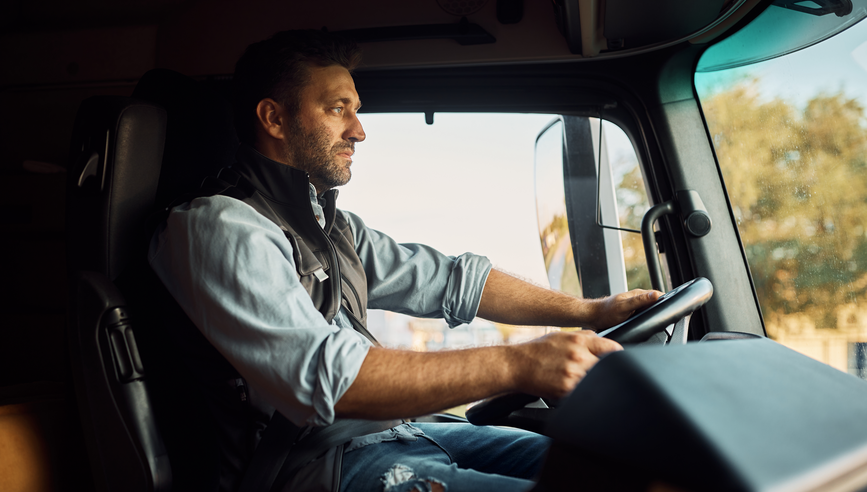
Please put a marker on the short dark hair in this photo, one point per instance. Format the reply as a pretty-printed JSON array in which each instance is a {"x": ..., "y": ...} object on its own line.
[{"x": 278, "y": 68}]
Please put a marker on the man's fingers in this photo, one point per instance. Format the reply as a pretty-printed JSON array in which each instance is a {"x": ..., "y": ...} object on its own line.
[
  {"x": 598, "y": 345},
  {"x": 641, "y": 298},
  {"x": 558, "y": 361}
]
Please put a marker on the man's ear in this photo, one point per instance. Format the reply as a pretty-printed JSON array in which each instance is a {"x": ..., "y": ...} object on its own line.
[{"x": 273, "y": 118}]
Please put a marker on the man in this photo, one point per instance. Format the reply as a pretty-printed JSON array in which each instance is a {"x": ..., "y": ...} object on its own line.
[{"x": 278, "y": 281}]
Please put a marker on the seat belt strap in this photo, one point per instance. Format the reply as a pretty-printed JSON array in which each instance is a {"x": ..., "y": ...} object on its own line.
[
  {"x": 321, "y": 439},
  {"x": 280, "y": 454},
  {"x": 276, "y": 443}
]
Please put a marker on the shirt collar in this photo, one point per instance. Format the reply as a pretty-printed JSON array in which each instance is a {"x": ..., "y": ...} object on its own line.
[{"x": 317, "y": 207}]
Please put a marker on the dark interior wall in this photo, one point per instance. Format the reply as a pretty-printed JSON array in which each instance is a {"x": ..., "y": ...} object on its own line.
[
  {"x": 77, "y": 55},
  {"x": 46, "y": 74}
]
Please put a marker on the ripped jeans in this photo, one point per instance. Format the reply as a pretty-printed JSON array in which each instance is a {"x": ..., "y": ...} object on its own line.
[{"x": 459, "y": 457}]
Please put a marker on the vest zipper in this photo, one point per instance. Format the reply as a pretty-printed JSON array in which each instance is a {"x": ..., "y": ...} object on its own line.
[
  {"x": 336, "y": 277},
  {"x": 336, "y": 290},
  {"x": 354, "y": 292}
]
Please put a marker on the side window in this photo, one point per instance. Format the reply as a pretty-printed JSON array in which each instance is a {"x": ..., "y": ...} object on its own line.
[
  {"x": 464, "y": 183},
  {"x": 790, "y": 136},
  {"x": 590, "y": 199}
]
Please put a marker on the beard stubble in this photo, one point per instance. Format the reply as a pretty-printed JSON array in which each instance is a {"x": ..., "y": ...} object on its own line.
[{"x": 312, "y": 152}]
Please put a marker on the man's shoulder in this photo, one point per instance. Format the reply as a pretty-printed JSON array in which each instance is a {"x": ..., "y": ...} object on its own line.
[
  {"x": 351, "y": 218},
  {"x": 215, "y": 223},
  {"x": 218, "y": 210}
]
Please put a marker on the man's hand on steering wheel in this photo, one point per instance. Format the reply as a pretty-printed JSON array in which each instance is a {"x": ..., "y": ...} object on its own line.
[
  {"x": 552, "y": 365},
  {"x": 613, "y": 310}
]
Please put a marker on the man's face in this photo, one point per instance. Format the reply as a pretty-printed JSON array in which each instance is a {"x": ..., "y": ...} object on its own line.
[{"x": 323, "y": 133}]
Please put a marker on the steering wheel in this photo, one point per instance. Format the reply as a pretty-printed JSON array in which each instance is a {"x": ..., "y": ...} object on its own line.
[{"x": 669, "y": 308}]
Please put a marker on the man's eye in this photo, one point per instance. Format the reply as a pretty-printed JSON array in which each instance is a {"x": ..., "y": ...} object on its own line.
[{"x": 337, "y": 110}]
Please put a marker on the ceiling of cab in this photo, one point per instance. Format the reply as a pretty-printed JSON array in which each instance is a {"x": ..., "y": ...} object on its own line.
[{"x": 200, "y": 37}]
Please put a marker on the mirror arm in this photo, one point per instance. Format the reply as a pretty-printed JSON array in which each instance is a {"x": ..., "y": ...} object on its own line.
[{"x": 649, "y": 238}]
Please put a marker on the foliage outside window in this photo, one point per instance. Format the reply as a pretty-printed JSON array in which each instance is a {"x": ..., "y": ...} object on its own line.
[{"x": 794, "y": 159}]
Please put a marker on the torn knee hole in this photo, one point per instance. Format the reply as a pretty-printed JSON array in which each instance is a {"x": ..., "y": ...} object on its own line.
[{"x": 401, "y": 478}]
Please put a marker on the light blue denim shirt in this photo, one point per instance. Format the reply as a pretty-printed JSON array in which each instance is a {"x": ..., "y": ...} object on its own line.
[{"x": 233, "y": 273}]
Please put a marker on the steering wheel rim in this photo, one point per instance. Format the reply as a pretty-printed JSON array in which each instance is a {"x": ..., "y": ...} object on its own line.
[{"x": 672, "y": 306}]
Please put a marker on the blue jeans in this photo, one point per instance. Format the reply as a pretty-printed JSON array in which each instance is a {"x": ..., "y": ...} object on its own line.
[{"x": 460, "y": 457}]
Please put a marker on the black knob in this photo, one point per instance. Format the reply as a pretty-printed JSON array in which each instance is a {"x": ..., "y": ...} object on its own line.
[{"x": 697, "y": 223}]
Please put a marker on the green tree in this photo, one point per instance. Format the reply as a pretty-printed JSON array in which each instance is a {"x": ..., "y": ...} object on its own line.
[{"x": 796, "y": 179}]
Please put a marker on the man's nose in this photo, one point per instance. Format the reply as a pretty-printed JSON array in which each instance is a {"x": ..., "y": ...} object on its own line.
[{"x": 355, "y": 132}]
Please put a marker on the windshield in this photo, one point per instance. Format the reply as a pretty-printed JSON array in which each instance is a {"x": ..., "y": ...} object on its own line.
[{"x": 790, "y": 135}]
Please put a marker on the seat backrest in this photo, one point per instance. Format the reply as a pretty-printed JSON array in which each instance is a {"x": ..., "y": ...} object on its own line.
[
  {"x": 114, "y": 169},
  {"x": 115, "y": 160}
]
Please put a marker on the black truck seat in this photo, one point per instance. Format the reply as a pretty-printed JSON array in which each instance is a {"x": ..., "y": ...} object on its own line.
[
  {"x": 129, "y": 158},
  {"x": 114, "y": 168}
]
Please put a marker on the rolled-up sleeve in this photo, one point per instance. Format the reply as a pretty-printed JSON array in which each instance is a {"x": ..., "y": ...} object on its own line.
[
  {"x": 418, "y": 280},
  {"x": 233, "y": 273}
]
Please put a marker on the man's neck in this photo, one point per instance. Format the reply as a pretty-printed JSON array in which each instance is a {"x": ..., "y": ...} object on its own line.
[
  {"x": 271, "y": 149},
  {"x": 273, "y": 152}
]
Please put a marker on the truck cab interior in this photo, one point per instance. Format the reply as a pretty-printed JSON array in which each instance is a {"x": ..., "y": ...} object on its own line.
[{"x": 109, "y": 112}]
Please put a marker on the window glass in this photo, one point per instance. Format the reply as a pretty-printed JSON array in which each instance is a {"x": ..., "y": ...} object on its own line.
[
  {"x": 463, "y": 184},
  {"x": 632, "y": 202},
  {"x": 858, "y": 359},
  {"x": 466, "y": 183},
  {"x": 790, "y": 136}
]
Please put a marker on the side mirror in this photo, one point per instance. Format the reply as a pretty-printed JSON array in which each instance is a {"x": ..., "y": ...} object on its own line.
[{"x": 581, "y": 258}]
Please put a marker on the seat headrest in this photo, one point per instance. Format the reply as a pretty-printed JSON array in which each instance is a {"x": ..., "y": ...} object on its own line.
[
  {"x": 200, "y": 132},
  {"x": 114, "y": 168}
]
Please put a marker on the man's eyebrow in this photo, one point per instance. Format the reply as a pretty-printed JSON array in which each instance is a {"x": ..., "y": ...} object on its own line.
[{"x": 345, "y": 100}]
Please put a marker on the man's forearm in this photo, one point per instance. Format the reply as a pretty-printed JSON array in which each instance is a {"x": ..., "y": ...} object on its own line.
[
  {"x": 397, "y": 383},
  {"x": 507, "y": 299}
]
